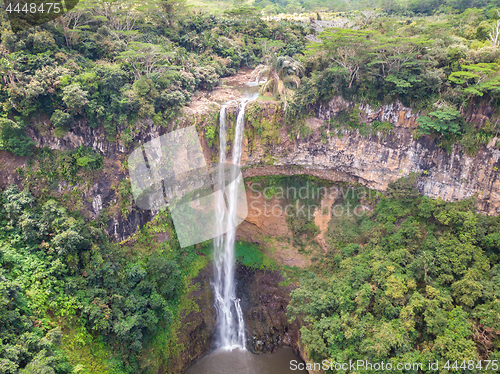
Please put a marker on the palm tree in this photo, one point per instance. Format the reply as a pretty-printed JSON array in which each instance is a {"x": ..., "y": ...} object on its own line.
[{"x": 281, "y": 72}]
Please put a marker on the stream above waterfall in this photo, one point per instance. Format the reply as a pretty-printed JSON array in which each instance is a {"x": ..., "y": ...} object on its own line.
[
  {"x": 249, "y": 90},
  {"x": 243, "y": 362}
]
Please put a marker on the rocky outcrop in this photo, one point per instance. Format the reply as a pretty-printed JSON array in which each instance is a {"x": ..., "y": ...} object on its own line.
[
  {"x": 376, "y": 160},
  {"x": 195, "y": 327},
  {"x": 372, "y": 160},
  {"x": 264, "y": 303}
]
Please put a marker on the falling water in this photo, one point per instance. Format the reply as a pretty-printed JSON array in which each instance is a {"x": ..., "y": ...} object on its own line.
[{"x": 230, "y": 320}]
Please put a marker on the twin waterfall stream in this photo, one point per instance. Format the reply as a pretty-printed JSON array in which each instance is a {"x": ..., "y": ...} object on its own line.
[
  {"x": 231, "y": 324},
  {"x": 230, "y": 355}
]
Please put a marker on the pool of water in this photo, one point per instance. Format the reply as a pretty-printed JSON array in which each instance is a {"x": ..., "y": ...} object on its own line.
[
  {"x": 249, "y": 90},
  {"x": 243, "y": 362}
]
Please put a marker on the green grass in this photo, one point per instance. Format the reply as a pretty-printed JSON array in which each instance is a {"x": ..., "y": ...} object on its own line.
[
  {"x": 87, "y": 354},
  {"x": 213, "y": 7},
  {"x": 249, "y": 254},
  {"x": 267, "y": 98}
]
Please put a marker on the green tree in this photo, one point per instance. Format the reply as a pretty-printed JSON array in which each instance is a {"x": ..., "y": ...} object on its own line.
[
  {"x": 478, "y": 79},
  {"x": 14, "y": 139},
  {"x": 347, "y": 48},
  {"x": 75, "y": 98},
  {"x": 145, "y": 58},
  {"x": 280, "y": 72},
  {"x": 447, "y": 121},
  {"x": 171, "y": 10}
]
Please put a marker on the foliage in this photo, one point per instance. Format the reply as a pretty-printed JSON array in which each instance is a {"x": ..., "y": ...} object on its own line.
[
  {"x": 262, "y": 127},
  {"x": 346, "y": 48},
  {"x": 250, "y": 255},
  {"x": 280, "y": 72},
  {"x": 55, "y": 265},
  {"x": 420, "y": 272},
  {"x": 14, "y": 139},
  {"x": 383, "y": 127},
  {"x": 69, "y": 166},
  {"x": 447, "y": 121},
  {"x": 478, "y": 79},
  {"x": 415, "y": 280}
]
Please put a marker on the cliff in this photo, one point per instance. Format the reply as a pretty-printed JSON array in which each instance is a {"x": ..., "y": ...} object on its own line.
[
  {"x": 372, "y": 160},
  {"x": 375, "y": 160}
]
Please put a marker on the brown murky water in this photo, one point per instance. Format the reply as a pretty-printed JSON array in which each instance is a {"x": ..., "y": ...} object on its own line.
[
  {"x": 249, "y": 90},
  {"x": 244, "y": 362}
]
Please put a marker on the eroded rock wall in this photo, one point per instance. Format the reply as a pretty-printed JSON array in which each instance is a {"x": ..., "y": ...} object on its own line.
[
  {"x": 376, "y": 160},
  {"x": 197, "y": 326},
  {"x": 371, "y": 160},
  {"x": 264, "y": 303}
]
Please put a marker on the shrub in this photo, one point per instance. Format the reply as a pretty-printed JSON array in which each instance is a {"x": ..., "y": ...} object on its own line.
[
  {"x": 60, "y": 119},
  {"x": 13, "y": 139},
  {"x": 445, "y": 122},
  {"x": 384, "y": 127}
]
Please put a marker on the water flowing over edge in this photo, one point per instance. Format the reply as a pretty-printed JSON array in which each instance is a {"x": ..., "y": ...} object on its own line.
[{"x": 231, "y": 326}]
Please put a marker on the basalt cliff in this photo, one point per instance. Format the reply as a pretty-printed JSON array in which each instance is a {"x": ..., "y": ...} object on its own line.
[{"x": 372, "y": 160}]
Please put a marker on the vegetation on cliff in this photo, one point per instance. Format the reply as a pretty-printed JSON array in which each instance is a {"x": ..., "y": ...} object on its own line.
[
  {"x": 62, "y": 280},
  {"x": 415, "y": 280},
  {"x": 111, "y": 64}
]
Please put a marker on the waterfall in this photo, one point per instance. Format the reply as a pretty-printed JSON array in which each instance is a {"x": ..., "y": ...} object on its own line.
[{"x": 230, "y": 321}]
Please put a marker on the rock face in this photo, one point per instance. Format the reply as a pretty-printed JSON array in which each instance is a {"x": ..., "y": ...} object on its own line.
[
  {"x": 197, "y": 326},
  {"x": 264, "y": 303},
  {"x": 376, "y": 160},
  {"x": 371, "y": 160}
]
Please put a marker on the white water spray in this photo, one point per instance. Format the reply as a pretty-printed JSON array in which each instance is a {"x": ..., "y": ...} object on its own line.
[{"x": 231, "y": 325}]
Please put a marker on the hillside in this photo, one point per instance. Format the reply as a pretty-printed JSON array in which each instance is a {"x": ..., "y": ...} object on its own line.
[{"x": 393, "y": 105}]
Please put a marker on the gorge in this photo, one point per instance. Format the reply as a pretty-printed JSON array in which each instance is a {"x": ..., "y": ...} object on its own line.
[
  {"x": 372, "y": 161},
  {"x": 364, "y": 137}
]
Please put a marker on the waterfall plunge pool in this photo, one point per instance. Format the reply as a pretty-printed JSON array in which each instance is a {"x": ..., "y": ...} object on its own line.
[{"x": 240, "y": 361}]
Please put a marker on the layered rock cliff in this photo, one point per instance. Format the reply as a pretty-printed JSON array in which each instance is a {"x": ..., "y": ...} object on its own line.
[
  {"x": 372, "y": 160},
  {"x": 376, "y": 160}
]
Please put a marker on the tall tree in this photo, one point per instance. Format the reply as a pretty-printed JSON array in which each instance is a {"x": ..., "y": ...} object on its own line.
[
  {"x": 478, "y": 79},
  {"x": 346, "y": 47},
  {"x": 171, "y": 10},
  {"x": 144, "y": 57},
  {"x": 280, "y": 71}
]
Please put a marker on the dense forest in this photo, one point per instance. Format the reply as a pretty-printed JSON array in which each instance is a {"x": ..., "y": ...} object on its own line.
[{"x": 416, "y": 279}]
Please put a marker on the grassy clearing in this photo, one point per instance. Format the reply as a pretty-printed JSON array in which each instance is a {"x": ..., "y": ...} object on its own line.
[{"x": 87, "y": 354}]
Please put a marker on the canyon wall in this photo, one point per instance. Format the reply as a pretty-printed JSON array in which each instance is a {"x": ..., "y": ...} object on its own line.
[
  {"x": 375, "y": 160},
  {"x": 372, "y": 160}
]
